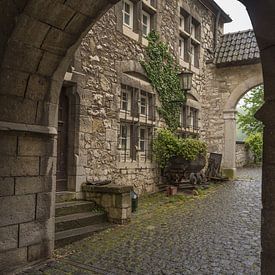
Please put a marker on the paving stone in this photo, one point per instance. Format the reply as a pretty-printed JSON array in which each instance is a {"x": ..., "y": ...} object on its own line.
[{"x": 217, "y": 234}]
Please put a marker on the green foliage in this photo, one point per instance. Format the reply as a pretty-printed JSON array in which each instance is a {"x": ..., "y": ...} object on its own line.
[
  {"x": 167, "y": 145},
  {"x": 255, "y": 144},
  {"x": 251, "y": 103},
  {"x": 162, "y": 71},
  {"x": 247, "y": 122}
]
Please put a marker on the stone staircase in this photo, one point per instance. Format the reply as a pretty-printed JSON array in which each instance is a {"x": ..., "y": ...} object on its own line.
[{"x": 76, "y": 219}]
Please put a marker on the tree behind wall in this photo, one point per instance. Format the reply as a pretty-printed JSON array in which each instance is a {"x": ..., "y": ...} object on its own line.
[{"x": 247, "y": 122}]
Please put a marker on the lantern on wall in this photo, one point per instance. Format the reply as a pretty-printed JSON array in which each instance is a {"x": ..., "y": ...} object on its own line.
[{"x": 186, "y": 80}]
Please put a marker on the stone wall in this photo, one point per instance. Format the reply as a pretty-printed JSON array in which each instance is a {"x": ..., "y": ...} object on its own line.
[{"x": 98, "y": 74}]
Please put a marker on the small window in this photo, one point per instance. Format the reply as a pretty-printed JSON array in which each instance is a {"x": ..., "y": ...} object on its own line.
[
  {"x": 193, "y": 30},
  {"x": 146, "y": 23},
  {"x": 143, "y": 104},
  {"x": 126, "y": 96},
  {"x": 124, "y": 137},
  {"x": 128, "y": 12},
  {"x": 182, "y": 22},
  {"x": 181, "y": 48},
  {"x": 194, "y": 118}
]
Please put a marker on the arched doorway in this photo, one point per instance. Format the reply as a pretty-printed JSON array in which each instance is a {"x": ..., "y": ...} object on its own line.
[{"x": 229, "y": 115}]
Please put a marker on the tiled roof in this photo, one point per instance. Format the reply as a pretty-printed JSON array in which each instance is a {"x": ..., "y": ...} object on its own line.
[{"x": 237, "y": 48}]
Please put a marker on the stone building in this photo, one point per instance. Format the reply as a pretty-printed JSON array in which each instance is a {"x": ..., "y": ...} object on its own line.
[{"x": 108, "y": 102}]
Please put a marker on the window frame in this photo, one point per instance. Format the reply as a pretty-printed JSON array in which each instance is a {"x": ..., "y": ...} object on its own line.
[
  {"x": 148, "y": 26},
  {"x": 130, "y": 14}
]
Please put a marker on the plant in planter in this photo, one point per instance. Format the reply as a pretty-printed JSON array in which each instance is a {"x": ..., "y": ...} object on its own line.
[{"x": 179, "y": 157}]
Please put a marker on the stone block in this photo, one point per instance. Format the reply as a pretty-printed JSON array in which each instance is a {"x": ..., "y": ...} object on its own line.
[
  {"x": 58, "y": 41},
  {"x": 13, "y": 82},
  {"x": 20, "y": 56},
  {"x": 106, "y": 200},
  {"x": 6, "y": 187},
  {"x": 31, "y": 185},
  {"x": 39, "y": 251},
  {"x": 30, "y": 31},
  {"x": 9, "y": 260},
  {"x": 123, "y": 200},
  {"x": 8, "y": 237},
  {"x": 44, "y": 208},
  {"x": 8, "y": 144},
  {"x": 17, "y": 209},
  {"x": 78, "y": 22},
  {"x": 49, "y": 64},
  {"x": 19, "y": 166},
  {"x": 18, "y": 110},
  {"x": 35, "y": 146},
  {"x": 38, "y": 87},
  {"x": 54, "y": 13},
  {"x": 34, "y": 233},
  {"x": 47, "y": 166}
]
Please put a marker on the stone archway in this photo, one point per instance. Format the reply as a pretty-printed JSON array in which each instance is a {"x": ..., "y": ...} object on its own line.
[
  {"x": 38, "y": 39},
  {"x": 229, "y": 115}
]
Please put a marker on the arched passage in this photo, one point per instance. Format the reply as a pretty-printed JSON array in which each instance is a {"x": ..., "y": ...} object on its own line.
[
  {"x": 37, "y": 41},
  {"x": 229, "y": 115}
]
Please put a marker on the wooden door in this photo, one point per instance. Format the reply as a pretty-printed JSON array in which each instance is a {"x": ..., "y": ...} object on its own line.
[{"x": 62, "y": 142}]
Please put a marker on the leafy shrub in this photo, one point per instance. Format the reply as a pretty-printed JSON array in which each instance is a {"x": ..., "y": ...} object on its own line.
[
  {"x": 255, "y": 144},
  {"x": 167, "y": 145}
]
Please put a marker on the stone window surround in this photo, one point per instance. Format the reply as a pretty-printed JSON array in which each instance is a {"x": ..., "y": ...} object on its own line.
[
  {"x": 135, "y": 32},
  {"x": 185, "y": 35}
]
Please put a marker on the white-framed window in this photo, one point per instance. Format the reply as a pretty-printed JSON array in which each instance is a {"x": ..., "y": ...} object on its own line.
[
  {"x": 128, "y": 13},
  {"x": 181, "y": 48},
  {"x": 146, "y": 23},
  {"x": 193, "y": 118},
  {"x": 143, "y": 104},
  {"x": 126, "y": 99}
]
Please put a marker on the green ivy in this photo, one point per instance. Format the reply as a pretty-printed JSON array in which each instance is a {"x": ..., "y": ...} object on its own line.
[
  {"x": 255, "y": 144},
  {"x": 167, "y": 145},
  {"x": 162, "y": 71}
]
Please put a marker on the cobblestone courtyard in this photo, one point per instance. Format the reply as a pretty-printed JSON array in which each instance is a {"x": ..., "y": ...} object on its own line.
[{"x": 217, "y": 232}]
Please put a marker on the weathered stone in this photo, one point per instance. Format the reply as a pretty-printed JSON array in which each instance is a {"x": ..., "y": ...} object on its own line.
[
  {"x": 11, "y": 259},
  {"x": 8, "y": 237},
  {"x": 34, "y": 233},
  {"x": 39, "y": 251},
  {"x": 6, "y": 186},
  {"x": 17, "y": 209},
  {"x": 44, "y": 209},
  {"x": 19, "y": 166},
  {"x": 30, "y": 185},
  {"x": 123, "y": 200}
]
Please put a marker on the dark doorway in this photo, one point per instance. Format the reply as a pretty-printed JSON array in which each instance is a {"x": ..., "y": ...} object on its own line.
[{"x": 62, "y": 142}]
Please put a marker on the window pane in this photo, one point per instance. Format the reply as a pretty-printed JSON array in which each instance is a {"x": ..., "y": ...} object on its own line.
[
  {"x": 127, "y": 8},
  {"x": 126, "y": 19}
]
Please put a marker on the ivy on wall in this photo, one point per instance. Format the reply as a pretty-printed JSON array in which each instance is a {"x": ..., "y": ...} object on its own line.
[{"x": 162, "y": 71}]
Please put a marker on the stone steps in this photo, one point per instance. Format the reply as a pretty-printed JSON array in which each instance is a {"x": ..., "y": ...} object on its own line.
[
  {"x": 73, "y": 207},
  {"x": 65, "y": 237},
  {"x": 65, "y": 196},
  {"x": 76, "y": 220}
]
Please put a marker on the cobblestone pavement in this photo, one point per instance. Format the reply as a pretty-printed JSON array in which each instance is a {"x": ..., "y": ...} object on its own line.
[{"x": 216, "y": 233}]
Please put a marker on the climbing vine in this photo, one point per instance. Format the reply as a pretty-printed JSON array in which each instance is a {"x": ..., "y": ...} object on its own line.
[{"x": 162, "y": 71}]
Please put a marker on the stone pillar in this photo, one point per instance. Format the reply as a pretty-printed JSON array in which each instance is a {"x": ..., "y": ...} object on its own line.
[
  {"x": 267, "y": 115},
  {"x": 229, "y": 156}
]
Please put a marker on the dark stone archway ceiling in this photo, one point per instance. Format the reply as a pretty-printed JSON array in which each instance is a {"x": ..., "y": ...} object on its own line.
[{"x": 262, "y": 14}]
